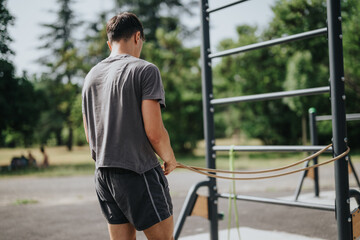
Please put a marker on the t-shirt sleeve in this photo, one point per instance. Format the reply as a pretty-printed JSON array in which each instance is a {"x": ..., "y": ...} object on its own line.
[{"x": 152, "y": 87}]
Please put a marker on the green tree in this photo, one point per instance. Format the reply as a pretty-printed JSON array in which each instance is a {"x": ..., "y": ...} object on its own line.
[
  {"x": 254, "y": 72},
  {"x": 19, "y": 105},
  {"x": 97, "y": 49},
  {"x": 308, "y": 63},
  {"x": 351, "y": 32},
  {"x": 180, "y": 73},
  {"x": 53, "y": 118},
  {"x": 6, "y": 20},
  {"x": 351, "y": 46},
  {"x": 290, "y": 66},
  {"x": 303, "y": 73},
  {"x": 77, "y": 121},
  {"x": 151, "y": 13},
  {"x": 65, "y": 69}
]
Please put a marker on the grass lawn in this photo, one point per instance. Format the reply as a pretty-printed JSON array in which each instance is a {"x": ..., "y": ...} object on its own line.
[
  {"x": 79, "y": 162},
  {"x": 57, "y": 155},
  {"x": 62, "y": 162}
]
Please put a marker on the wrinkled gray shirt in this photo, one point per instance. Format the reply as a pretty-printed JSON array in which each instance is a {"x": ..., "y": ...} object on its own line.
[{"x": 111, "y": 101}]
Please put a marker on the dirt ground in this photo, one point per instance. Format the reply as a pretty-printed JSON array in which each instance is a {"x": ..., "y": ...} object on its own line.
[{"x": 67, "y": 208}]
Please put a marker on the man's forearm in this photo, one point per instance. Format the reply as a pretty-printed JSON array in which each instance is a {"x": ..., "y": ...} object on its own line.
[
  {"x": 162, "y": 146},
  {"x": 157, "y": 134}
]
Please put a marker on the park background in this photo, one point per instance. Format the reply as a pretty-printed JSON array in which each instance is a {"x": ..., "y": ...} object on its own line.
[
  {"x": 48, "y": 46},
  {"x": 42, "y": 69}
]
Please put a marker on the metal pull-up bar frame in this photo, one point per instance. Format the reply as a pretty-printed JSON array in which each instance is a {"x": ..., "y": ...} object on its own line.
[
  {"x": 323, "y": 207},
  {"x": 270, "y": 96},
  {"x": 334, "y": 33},
  {"x": 313, "y": 119},
  {"x": 270, "y": 148},
  {"x": 269, "y": 43},
  {"x": 349, "y": 117},
  {"x": 225, "y": 6}
]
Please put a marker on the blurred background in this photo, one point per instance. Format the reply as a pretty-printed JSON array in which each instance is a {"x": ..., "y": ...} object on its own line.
[{"x": 48, "y": 46}]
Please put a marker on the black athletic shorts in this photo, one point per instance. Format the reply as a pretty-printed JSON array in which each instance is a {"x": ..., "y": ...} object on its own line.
[{"x": 128, "y": 197}]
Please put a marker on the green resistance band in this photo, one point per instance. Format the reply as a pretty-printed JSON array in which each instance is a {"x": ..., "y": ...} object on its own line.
[{"x": 232, "y": 200}]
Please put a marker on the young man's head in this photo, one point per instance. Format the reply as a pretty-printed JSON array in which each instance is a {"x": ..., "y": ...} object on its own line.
[{"x": 127, "y": 29}]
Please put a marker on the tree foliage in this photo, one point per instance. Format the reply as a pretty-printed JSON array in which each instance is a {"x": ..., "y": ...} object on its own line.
[
  {"x": 65, "y": 69},
  {"x": 151, "y": 13},
  {"x": 48, "y": 108},
  {"x": 19, "y": 105},
  {"x": 297, "y": 65},
  {"x": 96, "y": 39},
  {"x": 254, "y": 72},
  {"x": 309, "y": 58},
  {"x": 55, "y": 116},
  {"x": 62, "y": 59},
  {"x": 351, "y": 48},
  {"x": 6, "y": 20},
  {"x": 180, "y": 73}
]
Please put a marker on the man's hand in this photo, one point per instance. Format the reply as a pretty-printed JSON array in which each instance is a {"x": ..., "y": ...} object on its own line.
[{"x": 169, "y": 166}]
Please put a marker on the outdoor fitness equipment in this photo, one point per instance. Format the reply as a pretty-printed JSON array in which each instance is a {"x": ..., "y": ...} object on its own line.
[
  {"x": 347, "y": 224},
  {"x": 313, "y": 173}
]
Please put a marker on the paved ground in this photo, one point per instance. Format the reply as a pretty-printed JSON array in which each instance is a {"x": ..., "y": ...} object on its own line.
[
  {"x": 66, "y": 207},
  {"x": 250, "y": 234}
]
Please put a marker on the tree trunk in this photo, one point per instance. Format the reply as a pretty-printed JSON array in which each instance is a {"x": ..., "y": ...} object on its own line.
[
  {"x": 70, "y": 138},
  {"x": 58, "y": 137},
  {"x": 304, "y": 130}
]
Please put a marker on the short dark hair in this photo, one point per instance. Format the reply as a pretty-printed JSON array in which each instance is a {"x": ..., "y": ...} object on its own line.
[{"x": 123, "y": 26}]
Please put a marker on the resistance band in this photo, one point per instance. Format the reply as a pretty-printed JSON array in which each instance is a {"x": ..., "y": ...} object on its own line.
[
  {"x": 232, "y": 191},
  {"x": 210, "y": 172}
]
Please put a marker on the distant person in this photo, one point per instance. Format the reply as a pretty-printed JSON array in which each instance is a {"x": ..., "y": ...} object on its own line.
[
  {"x": 122, "y": 99},
  {"x": 45, "y": 162},
  {"x": 19, "y": 162},
  {"x": 32, "y": 160},
  {"x": 24, "y": 162},
  {"x": 14, "y": 163}
]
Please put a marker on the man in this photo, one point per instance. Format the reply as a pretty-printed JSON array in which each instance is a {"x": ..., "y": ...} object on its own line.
[{"x": 122, "y": 96}]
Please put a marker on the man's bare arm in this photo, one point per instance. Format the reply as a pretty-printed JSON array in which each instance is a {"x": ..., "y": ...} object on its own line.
[
  {"x": 85, "y": 128},
  {"x": 157, "y": 134}
]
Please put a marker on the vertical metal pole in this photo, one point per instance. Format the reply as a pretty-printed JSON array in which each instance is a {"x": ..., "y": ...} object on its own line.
[
  {"x": 338, "y": 118},
  {"x": 208, "y": 110},
  {"x": 314, "y": 141}
]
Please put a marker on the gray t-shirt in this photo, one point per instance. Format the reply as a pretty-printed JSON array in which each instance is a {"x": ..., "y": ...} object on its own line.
[{"x": 111, "y": 101}]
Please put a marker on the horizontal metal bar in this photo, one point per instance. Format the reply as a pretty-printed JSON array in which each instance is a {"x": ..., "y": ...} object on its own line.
[
  {"x": 275, "y": 95},
  {"x": 225, "y": 6},
  {"x": 268, "y": 148},
  {"x": 254, "y": 46},
  {"x": 352, "y": 116},
  {"x": 349, "y": 117},
  {"x": 279, "y": 202}
]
